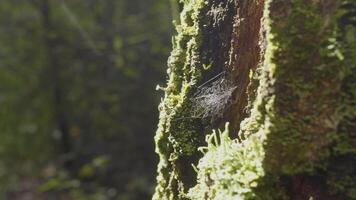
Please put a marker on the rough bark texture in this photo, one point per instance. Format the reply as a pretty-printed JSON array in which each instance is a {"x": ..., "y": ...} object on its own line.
[{"x": 293, "y": 64}]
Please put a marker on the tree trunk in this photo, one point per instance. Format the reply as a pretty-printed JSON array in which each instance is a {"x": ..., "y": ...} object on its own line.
[
  {"x": 283, "y": 74},
  {"x": 53, "y": 78}
]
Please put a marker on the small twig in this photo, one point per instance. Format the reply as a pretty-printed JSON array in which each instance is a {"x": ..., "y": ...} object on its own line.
[{"x": 210, "y": 80}]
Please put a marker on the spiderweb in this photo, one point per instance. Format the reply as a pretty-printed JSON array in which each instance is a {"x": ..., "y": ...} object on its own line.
[{"x": 212, "y": 98}]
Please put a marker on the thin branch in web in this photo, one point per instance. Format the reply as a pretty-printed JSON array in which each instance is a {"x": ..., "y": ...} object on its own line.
[{"x": 212, "y": 79}]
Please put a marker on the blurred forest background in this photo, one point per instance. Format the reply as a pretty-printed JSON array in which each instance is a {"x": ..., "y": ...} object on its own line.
[{"x": 78, "y": 106}]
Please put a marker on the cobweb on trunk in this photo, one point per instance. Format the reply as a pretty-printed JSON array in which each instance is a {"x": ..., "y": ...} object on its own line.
[{"x": 212, "y": 98}]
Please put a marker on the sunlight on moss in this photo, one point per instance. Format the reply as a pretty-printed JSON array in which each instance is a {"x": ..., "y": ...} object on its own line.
[{"x": 229, "y": 169}]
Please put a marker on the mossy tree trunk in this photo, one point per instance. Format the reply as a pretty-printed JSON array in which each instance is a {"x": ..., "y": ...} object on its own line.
[{"x": 291, "y": 67}]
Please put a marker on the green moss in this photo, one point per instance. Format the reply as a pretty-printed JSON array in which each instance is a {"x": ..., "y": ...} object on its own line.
[
  {"x": 232, "y": 170},
  {"x": 341, "y": 169},
  {"x": 306, "y": 70},
  {"x": 229, "y": 169},
  {"x": 302, "y": 119},
  {"x": 176, "y": 137}
]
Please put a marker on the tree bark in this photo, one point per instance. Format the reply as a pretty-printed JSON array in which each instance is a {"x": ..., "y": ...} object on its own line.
[{"x": 282, "y": 72}]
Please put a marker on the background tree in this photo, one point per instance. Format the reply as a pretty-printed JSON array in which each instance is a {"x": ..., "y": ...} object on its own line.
[
  {"x": 283, "y": 74},
  {"x": 77, "y": 82}
]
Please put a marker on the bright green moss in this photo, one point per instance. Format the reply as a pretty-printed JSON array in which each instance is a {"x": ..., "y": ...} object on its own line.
[
  {"x": 176, "y": 137},
  {"x": 229, "y": 169}
]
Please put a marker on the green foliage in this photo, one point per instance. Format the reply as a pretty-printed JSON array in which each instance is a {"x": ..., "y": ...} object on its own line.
[
  {"x": 22, "y": 111},
  {"x": 77, "y": 84}
]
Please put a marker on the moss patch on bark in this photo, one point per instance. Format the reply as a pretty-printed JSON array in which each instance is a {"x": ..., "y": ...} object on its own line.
[
  {"x": 200, "y": 51},
  {"x": 302, "y": 121}
]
